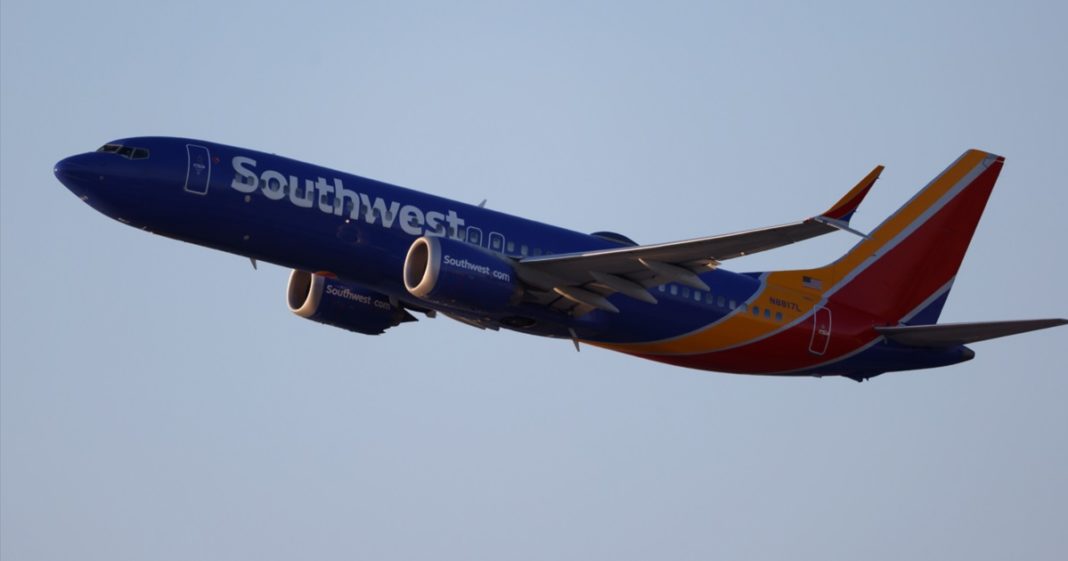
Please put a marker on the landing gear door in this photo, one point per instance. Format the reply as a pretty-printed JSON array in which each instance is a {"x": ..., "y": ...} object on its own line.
[
  {"x": 821, "y": 331},
  {"x": 198, "y": 171}
]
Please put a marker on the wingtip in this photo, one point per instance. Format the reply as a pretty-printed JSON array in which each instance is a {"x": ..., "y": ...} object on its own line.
[{"x": 844, "y": 209}]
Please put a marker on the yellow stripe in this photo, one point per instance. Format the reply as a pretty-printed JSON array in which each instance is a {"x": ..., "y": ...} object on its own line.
[{"x": 739, "y": 328}]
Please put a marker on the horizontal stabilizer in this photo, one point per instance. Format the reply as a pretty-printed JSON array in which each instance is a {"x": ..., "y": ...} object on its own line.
[{"x": 951, "y": 334}]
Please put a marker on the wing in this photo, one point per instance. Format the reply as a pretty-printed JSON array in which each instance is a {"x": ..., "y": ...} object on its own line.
[{"x": 580, "y": 281}]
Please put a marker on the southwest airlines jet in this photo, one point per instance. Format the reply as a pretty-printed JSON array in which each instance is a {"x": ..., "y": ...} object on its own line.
[{"x": 366, "y": 254}]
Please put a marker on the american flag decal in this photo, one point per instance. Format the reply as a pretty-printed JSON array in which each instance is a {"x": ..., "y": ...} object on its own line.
[{"x": 812, "y": 283}]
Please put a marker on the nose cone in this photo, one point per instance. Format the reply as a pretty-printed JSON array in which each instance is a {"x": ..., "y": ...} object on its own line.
[{"x": 74, "y": 173}]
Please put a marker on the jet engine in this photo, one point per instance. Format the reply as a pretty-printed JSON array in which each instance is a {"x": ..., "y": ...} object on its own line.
[
  {"x": 454, "y": 273},
  {"x": 338, "y": 304}
]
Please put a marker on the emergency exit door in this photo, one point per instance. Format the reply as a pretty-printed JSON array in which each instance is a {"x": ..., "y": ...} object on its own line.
[{"x": 821, "y": 332}]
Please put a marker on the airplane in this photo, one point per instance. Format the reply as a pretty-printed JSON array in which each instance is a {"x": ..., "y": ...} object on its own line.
[{"x": 366, "y": 255}]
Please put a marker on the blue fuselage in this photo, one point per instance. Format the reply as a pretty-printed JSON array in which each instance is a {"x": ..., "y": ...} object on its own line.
[{"x": 312, "y": 218}]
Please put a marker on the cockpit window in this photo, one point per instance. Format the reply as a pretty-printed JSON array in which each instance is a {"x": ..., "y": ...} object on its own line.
[{"x": 128, "y": 152}]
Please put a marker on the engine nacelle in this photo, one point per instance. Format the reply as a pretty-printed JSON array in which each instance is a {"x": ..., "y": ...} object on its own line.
[
  {"x": 335, "y": 303},
  {"x": 454, "y": 273}
]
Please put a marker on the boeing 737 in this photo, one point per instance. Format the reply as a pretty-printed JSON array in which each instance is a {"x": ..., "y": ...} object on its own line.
[{"x": 366, "y": 255}]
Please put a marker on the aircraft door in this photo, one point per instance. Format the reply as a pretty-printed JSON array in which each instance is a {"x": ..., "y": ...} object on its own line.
[
  {"x": 821, "y": 331},
  {"x": 198, "y": 170}
]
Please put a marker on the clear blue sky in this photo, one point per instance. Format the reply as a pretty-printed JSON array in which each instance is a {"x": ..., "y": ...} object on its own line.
[{"x": 158, "y": 401}]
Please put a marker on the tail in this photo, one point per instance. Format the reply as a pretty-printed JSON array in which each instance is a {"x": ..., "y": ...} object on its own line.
[{"x": 903, "y": 271}]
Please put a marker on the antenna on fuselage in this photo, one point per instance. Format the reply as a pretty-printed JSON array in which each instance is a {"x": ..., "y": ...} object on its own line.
[{"x": 574, "y": 339}]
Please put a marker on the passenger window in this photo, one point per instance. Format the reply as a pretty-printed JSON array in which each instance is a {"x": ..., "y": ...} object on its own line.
[
  {"x": 685, "y": 292},
  {"x": 708, "y": 298},
  {"x": 756, "y": 310},
  {"x": 778, "y": 316},
  {"x": 474, "y": 235},
  {"x": 767, "y": 313},
  {"x": 278, "y": 185},
  {"x": 349, "y": 205},
  {"x": 733, "y": 304},
  {"x": 720, "y": 302},
  {"x": 524, "y": 250},
  {"x": 511, "y": 247},
  {"x": 537, "y": 251},
  {"x": 674, "y": 290},
  {"x": 662, "y": 288},
  {"x": 697, "y": 296}
]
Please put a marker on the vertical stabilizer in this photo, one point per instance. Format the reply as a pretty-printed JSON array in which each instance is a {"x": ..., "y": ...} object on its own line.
[{"x": 904, "y": 270}]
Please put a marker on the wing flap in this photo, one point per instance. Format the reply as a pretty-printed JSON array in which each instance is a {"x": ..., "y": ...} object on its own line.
[{"x": 951, "y": 334}]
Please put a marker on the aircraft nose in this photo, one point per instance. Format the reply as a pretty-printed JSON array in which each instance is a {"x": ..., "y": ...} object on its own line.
[
  {"x": 77, "y": 173},
  {"x": 70, "y": 170}
]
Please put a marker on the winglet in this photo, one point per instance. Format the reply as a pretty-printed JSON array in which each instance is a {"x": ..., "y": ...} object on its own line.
[{"x": 843, "y": 210}]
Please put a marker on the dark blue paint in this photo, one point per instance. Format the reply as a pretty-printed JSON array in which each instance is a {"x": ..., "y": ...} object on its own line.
[{"x": 150, "y": 194}]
